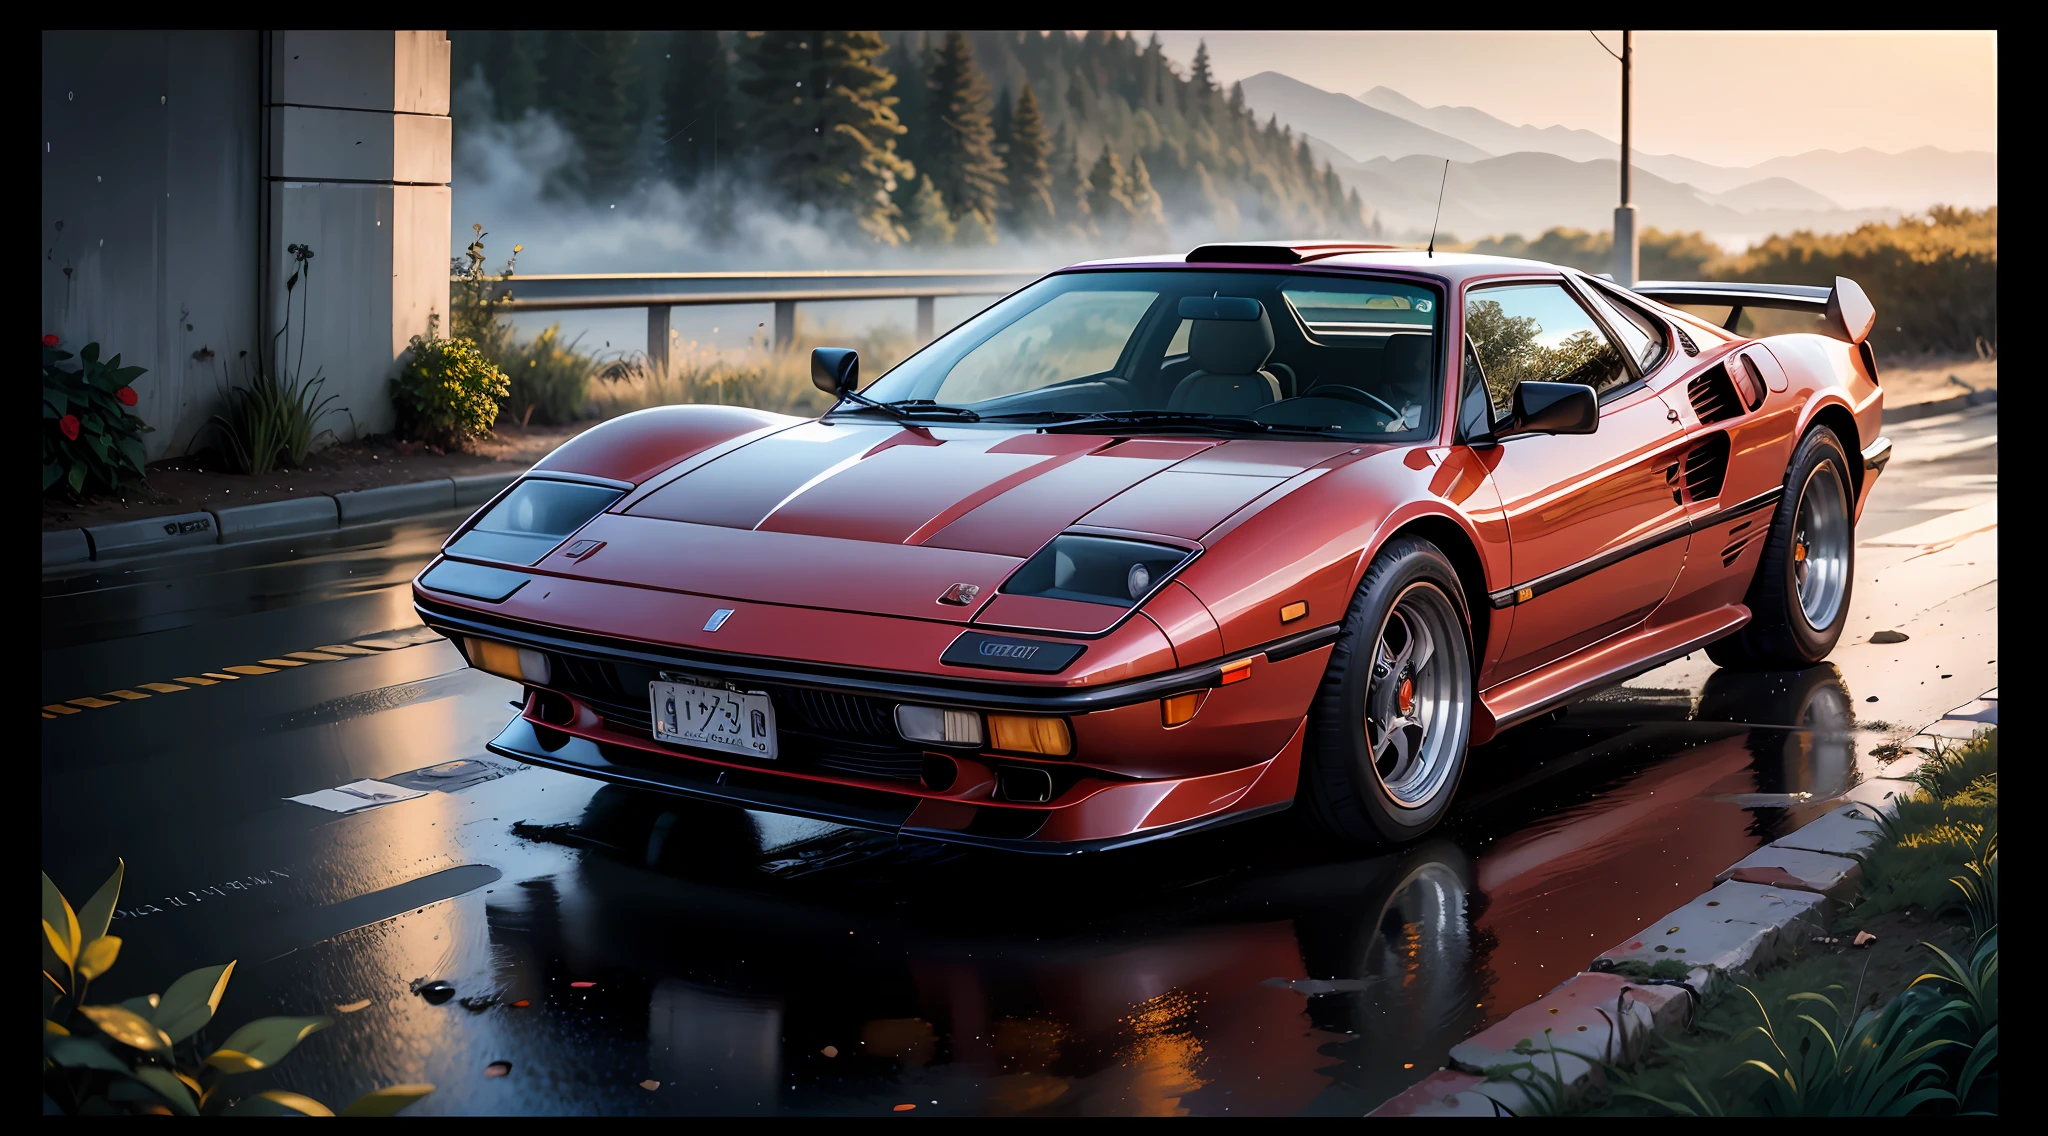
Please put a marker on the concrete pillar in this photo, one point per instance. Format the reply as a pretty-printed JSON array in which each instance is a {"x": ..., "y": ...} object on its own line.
[
  {"x": 1626, "y": 264},
  {"x": 657, "y": 338},
  {"x": 358, "y": 168},
  {"x": 785, "y": 323}
]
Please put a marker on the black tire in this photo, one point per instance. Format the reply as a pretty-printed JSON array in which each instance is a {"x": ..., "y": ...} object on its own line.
[
  {"x": 1345, "y": 794},
  {"x": 1780, "y": 635}
]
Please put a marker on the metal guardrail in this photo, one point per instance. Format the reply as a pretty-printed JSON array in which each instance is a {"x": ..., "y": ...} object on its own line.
[{"x": 659, "y": 291}]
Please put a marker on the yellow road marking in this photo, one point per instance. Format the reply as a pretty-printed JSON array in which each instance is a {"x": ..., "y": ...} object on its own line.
[
  {"x": 49, "y": 715},
  {"x": 335, "y": 649},
  {"x": 130, "y": 695},
  {"x": 314, "y": 657},
  {"x": 331, "y": 653},
  {"x": 162, "y": 687},
  {"x": 253, "y": 670},
  {"x": 225, "y": 677},
  {"x": 56, "y": 708},
  {"x": 280, "y": 663},
  {"x": 189, "y": 680},
  {"x": 92, "y": 703}
]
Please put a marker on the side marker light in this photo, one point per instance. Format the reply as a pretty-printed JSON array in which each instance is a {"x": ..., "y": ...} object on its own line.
[
  {"x": 1237, "y": 671},
  {"x": 1293, "y": 611}
]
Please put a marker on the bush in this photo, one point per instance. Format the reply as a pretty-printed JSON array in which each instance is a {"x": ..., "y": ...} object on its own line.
[
  {"x": 143, "y": 1055},
  {"x": 448, "y": 394},
  {"x": 89, "y": 438},
  {"x": 273, "y": 418},
  {"x": 548, "y": 380}
]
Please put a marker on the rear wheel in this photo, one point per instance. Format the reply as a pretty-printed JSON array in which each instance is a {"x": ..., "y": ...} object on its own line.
[
  {"x": 1391, "y": 723},
  {"x": 1799, "y": 601}
]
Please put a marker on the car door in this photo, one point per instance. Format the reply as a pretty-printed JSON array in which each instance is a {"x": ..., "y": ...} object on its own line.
[{"x": 1597, "y": 536}]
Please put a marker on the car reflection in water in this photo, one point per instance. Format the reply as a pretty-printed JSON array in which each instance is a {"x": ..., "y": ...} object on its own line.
[{"x": 758, "y": 964}]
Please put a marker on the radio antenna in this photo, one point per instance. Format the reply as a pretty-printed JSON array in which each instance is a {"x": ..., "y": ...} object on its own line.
[{"x": 1439, "y": 207}]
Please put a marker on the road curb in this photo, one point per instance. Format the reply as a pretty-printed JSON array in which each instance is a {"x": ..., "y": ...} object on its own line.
[
  {"x": 291, "y": 516},
  {"x": 1943, "y": 406},
  {"x": 1771, "y": 898}
]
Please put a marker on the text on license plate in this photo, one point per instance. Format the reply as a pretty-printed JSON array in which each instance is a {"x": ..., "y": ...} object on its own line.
[{"x": 714, "y": 717}]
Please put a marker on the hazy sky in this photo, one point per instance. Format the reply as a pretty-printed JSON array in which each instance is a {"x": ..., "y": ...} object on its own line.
[{"x": 1730, "y": 98}]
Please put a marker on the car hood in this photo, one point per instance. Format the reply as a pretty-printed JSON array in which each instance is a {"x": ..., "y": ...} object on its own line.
[{"x": 882, "y": 518}]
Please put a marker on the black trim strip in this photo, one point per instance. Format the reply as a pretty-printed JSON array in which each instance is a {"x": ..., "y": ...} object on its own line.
[
  {"x": 1878, "y": 455},
  {"x": 1524, "y": 592},
  {"x": 1643, "y": 666},
  {"x": 915, "y": 688}
]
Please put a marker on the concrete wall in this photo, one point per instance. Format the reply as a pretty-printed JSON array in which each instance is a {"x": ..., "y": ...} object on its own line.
[
  {"x": 150, "y": 200},
  {"x": 177, "y": 167},
  {"x": 358, "y": 168}
]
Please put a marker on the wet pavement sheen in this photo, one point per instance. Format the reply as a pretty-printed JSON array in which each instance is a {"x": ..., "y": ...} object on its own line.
[{"x": 603, "y": 940}]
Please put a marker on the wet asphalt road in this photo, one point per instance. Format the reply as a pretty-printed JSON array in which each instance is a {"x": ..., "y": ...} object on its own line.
[{"x": 602, "y": 941}]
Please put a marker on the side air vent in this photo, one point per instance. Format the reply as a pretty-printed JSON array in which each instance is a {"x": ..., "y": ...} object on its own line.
[
  {"x": 1749, "y": 382},
  {"x": 1704, "y": 469},
  {"x": 1739, "y": 538},
  {"x": 1713, "y": 396},
  {"x": 1686, "y": 342}
]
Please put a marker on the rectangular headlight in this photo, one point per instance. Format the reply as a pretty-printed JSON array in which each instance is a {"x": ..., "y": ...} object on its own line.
[
  {"x": 506, "y": 661},
  {"x": 1016, "y": 733},
  {"x": 1096, "y": 569},
  {"x": 939, "y": 726},
  {"x": 532, "y": 519}
]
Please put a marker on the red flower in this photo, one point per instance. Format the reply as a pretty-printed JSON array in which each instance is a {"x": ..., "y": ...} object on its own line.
[
  {"x": 126, "y": 395},
  {"x": 49, "y": 341},
  {"x": 68, "y": 425}
]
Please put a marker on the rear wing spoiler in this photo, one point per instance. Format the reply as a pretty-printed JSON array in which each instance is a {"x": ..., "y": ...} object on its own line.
[{"x": 1846, "y": 311}]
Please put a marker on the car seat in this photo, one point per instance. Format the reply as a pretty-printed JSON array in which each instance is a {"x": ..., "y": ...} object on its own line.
[{"x": 1229, "y": 343}]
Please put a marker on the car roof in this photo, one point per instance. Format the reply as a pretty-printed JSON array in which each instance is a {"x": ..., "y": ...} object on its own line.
[{"x": 1264, "y": 255}]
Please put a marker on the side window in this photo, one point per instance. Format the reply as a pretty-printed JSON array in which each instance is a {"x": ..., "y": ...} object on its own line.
[
  {"x": 1643, "y": 336},
  {"x": 1538, "y": 333},
  {"x": 1475, "y": 406}
]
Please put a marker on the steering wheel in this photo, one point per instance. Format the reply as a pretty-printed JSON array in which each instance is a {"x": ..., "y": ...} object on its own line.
[{"x": 1353, "y": 394}]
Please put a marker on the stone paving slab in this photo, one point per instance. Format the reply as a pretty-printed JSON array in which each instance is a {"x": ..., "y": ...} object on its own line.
[
  {"x": 1735, "y": 926},
  {"x": 1844, "y": 832},
  {"x": 1902, "y": 767},
  {"x": 1582, "y": 1016},
  {"x": 1795, "y": 868},
  {"x": 1447, "y": 1092},
  {"x": 1880, "y": 794}
]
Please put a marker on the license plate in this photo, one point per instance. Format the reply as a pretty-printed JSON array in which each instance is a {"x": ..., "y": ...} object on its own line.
[{"x": 714, "y": 717}]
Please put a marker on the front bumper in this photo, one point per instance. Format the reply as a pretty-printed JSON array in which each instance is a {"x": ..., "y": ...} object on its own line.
[{"x": 1130, "y": 779}]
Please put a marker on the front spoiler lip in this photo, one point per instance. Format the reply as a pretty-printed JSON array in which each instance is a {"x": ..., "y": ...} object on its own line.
[
  {"x": 921, "y": 688},
  {"x": 875, "y": 810}
]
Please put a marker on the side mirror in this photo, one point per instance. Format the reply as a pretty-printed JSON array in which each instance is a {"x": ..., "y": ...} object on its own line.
[
  {"x": 1552, "y": 408},
  {"x": 835, "y": 370}
]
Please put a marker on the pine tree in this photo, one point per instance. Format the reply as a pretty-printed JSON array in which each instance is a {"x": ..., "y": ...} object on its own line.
[
  {"x": 1028, "y": 200},
  {"x": 514, "y": 73},
  {"x": 974, "y": 230},
  {"x": 959, "y": 152},
  {"x": 925, "y": 216},
  {"x": 1069, "y": 185},
  {"x": 1202, "y": 81},
  {"x": 604, "y": 110},
  {"x": 1237, "y": 100},
  {"x": 820, "y": 116},
  {"x": 699, "y": 127},
  {"x": 1148, "y": 216},
  {"x": 1002, "y": 124},
  {"x": 1109, "y": 196},
  {"x": 913, "y": 99},
  {"x": 1354, "y": 214}
]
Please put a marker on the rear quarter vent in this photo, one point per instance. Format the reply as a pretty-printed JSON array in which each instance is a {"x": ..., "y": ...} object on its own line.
[{"x": 1713, "y": 395}]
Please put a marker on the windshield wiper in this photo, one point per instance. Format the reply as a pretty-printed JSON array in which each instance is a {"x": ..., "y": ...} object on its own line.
[
  {"x": 1175, "y": 420},
  {"x": 906, "y": 409}
]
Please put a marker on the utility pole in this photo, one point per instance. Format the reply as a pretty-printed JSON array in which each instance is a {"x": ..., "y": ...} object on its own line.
[{"x": 1626, "y": 260}]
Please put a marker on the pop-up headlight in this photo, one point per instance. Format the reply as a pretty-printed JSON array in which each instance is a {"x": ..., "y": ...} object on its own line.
[
  {"x": 533, "y": 518},
  {"x": 1096, "y": 569}
]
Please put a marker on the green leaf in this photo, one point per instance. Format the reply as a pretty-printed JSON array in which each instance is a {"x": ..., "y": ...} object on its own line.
[
  {"x": 54, "y": 939},
  {"x": 191, "y": 1001},
  {"x": 99, "y": 910},
  {"x": 98, "y": 956},
  {"x": 58, "y": 399},
  {"x": 144, "y": 1005},
  {"x": 166, "y": 1084},
  {"x": 386, "y": 1101},
  {"x": 90, "y": 354},
  {"x": 127, "y": 1027},
  {"x": 266, "y": 1041},
  {"x": 84, "y": 1053},
  {"x": 77, "y": 478},
  {"x": 277, "y": 1102},
  {"x": 60, "y": 922},
  {"x": 53, "y": 472}
]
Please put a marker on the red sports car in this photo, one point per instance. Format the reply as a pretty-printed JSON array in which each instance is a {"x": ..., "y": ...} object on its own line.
[{"x": 1152, "y": 545}]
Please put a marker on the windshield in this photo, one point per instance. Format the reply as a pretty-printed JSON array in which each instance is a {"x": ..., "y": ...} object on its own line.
[{"x": 1280, "y": 351}]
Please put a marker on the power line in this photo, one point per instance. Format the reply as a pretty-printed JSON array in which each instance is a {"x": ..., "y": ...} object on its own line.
[{"x": 1603, "y": 45}]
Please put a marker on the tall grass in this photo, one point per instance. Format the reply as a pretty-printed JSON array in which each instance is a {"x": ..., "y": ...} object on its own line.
[{"x": 763, "y": 377}]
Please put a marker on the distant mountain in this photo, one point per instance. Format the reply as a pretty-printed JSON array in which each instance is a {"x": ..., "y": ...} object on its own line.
[
  {"x": 1491, "y": 134},
  {"x": 1912, "y": 180},
  {"x": 1355, "y": 130},
  {"x": 1771, "y": 193}
]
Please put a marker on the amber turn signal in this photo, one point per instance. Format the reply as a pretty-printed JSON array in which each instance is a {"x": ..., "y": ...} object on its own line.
[
  {"x": 1237, "y": 671},
  {"x": 507, "y": 661},
  {"x": 1015, "y": 733},
  {"x": 1180, "y": 708},
  {"x": 1294, "y": 611}
]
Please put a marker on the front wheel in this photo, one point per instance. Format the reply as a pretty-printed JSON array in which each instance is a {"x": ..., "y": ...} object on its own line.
[
  {"x": 1799, "y": 601},
  {"x": 1391, "y": 723}
]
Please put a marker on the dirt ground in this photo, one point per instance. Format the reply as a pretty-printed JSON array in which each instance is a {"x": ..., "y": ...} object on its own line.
[
  {"x": 185, "y": 485},
  {"x": 1907, "y": 379}
]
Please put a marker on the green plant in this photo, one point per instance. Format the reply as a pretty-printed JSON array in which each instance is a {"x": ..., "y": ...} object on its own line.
[
  {"x": 1878, "y": 1064},
  {"x": 139, "y": 1056},
  {"x": 548, "y": 380},
  {"x": 273, "y": 419},
  {"x": 89, "y": 438},
  {"x": 475, "y": 297},
  {"x": 448, "y": 393},
  {"x": 1934, "y": 835}
]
